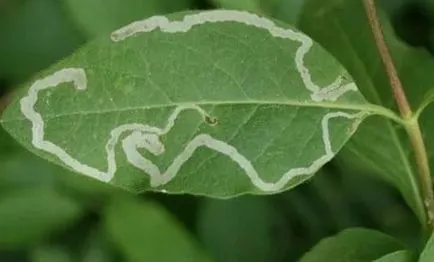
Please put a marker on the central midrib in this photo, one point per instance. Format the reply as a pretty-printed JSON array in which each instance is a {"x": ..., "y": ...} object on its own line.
[{"x": 368, "y": 108}]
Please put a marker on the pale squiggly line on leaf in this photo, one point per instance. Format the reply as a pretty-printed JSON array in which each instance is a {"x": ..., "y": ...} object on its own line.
[
  {"x": 148, "y": 137},
  {"x": 331, "y": 92}
]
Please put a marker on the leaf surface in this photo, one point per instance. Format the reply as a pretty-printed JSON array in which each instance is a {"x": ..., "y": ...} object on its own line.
[
  {"x": 242, "y": 229},
  {"x": 32, "y": 215},
  {"x": 353, "y": 245},
  {"x": 248, "y": 5},
  {"x": 51, "y": 254},
  {"x": 35, "y": 34},
  {"x": 427, "y": 254},
  {"x": 219, "y": 103},
  {"x": 143, "y": 231},
  {"x": 398, "y": 256},
  {"x": 115, "y": 13}
]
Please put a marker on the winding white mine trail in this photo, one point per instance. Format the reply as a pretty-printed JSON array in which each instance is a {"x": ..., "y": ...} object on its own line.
[
  {"x": 137, "y": 136},
  {"x": 330, "y": 92}
]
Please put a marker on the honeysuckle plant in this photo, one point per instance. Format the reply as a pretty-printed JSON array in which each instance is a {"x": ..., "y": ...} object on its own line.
[{"x": 223, "y": 103}]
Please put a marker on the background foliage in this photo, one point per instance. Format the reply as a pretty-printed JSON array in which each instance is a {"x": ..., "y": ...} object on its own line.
[{"x": 49, "y": 214}]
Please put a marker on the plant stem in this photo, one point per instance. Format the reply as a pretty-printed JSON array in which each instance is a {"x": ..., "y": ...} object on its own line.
[
  {"x": 398, "y": 91},
  {"x": 422, "y": 163},
  {"x": 412, "y": 124}
]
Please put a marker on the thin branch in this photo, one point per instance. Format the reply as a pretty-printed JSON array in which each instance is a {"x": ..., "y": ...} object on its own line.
[
  {"x": 422, "y": 163},
  {"x": 398, "y": 91},
  {"x": 412, "y": 124}
]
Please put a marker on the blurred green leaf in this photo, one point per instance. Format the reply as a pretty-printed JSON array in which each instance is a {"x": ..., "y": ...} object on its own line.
[
  {"x": 98, "y": 17},
  {"x": 143, "y": 231},
  {"x": 34, "y": 34},
  {"x": 286, "y": 10},
  {"x": 382, "y": 208},
  {"x": 427, "y": 254},
  {"x": 413, "y": 21},
  {"x": 97, "y": 248},
  {"x": 84, "y": 189},
  {"x": 242, "y": 229},
  {"x": 248, "y": 5},
  {"x": 8, "y": 145},
  {"x": 51, "y": 254},
  {"x": 398, "y": 256},
  {"x": 353, "y": 245},
  {"x": 29, "y": 216},
  {"x": 13, "y": 256},
  {"x": 22, "y": 169}
]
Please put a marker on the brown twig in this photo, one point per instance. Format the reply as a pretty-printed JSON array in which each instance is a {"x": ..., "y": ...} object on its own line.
[
  {"x": 398, "y": 91},
  {"x": 412, "y": 124}
]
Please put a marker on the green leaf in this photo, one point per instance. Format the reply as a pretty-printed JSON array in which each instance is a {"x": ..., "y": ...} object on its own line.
[
  {"x": 144, "y": 231},
  {"x": 115, "y": 13},
  {"x": 30, "y": 216},
  {"x": 39, "y": 173},
  {"x": 427, "y": 254},
  {"x": 7, "y": 144},
  {"x": 286, "y": 10},
  {"x": 51, "y": 254},
  {"x": 353, "y": 245},
  {"x": 248, "y": 5},
  {"x": 242, "y": 229},
  {"x": 353, "y": 45},
  {"x": 398, "y": 256},
  {"x": 34, "y": 34},
  {"x": 216, "y": 102},
  {"x": 35, "y": 172},
  {"x": 97, "y": 248}
]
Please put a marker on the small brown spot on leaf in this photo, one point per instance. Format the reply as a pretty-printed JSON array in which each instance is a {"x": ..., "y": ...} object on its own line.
[{"x": 211, "y": 120}]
